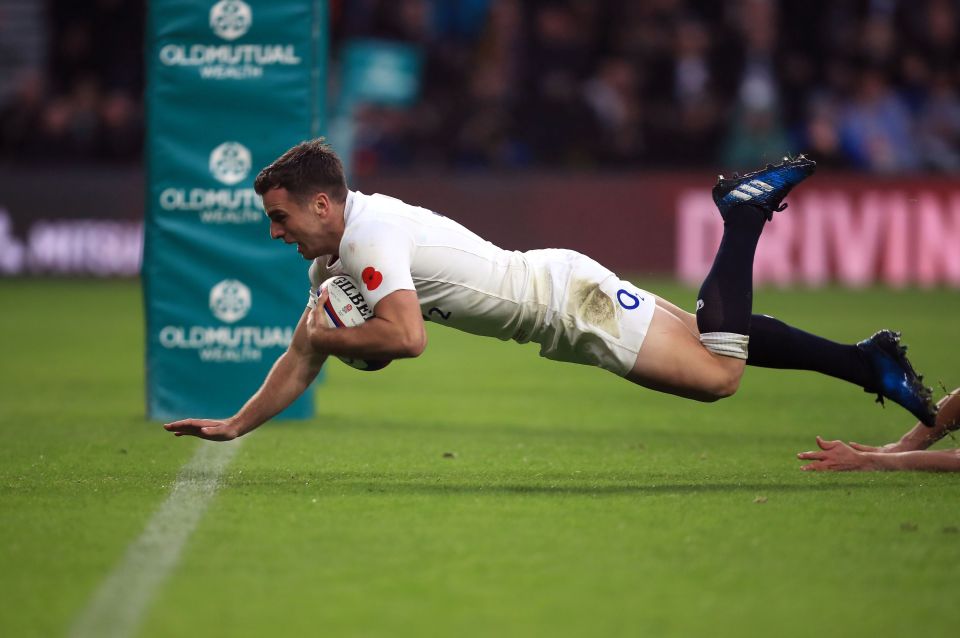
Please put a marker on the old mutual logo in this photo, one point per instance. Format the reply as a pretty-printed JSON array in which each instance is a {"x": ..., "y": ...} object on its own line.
[
  {"x": 228, "y": 60},
  {"x": 230, "y": 300},
  {"x": 230, "y": 19},
  {"x": 230, "y": 163}
]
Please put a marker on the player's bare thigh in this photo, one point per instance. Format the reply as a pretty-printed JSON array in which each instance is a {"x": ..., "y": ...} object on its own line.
[
  {"x": 688, "y": 318},
  {"x": 672, "y": 360}
]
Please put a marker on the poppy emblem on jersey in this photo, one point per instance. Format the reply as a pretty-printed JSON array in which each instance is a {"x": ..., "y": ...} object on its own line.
[{"x": 372, "y": 278}]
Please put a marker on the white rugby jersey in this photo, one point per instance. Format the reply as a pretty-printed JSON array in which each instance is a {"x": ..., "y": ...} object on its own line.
[{"x": 468, "y": 283}]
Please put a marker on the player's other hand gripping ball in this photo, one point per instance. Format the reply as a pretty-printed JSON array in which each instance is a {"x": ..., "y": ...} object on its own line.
[{"x": 346, "y": 307}]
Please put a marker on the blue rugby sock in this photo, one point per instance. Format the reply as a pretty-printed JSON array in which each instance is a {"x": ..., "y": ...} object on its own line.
[
  {"x": 774, "y": 344},
  {"x": 725, "y": 300}
]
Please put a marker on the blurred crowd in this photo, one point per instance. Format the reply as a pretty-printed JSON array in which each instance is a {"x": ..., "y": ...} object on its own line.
[
  {"x": 868, "y": 85},
  {"x": 85, "y": 102}
]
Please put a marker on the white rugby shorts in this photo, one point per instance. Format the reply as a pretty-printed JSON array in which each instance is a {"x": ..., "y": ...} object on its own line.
[{"x": 598, "y": 319}]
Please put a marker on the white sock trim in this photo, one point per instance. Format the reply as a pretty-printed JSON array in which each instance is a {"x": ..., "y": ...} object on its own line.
[{"x": 726, "y": 344}]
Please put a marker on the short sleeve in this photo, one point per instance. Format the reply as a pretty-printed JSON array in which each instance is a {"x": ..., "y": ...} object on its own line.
[
  {"x": 378, "y": 256},
  {"x": 314, "y": 275}
]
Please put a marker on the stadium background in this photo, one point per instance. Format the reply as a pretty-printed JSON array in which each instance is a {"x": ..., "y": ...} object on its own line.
[
  {"x": 535, "y": 114},
  {"x": 498, "y": 504}
]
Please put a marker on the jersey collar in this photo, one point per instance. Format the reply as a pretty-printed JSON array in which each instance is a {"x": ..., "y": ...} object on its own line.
[{"x": 348, "y": 208}]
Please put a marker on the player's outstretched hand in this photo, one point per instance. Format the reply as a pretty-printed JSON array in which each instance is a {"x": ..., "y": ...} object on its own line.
[
  {"x": 834, "y": 456},
  {"x": 208, "y": 429}
]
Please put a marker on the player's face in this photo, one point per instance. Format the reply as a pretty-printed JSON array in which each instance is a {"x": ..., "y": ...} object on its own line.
[{"x": 307, "y": 224}]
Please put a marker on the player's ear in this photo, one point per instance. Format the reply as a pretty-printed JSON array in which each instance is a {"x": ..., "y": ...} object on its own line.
[{"x": 322, "y": 204}]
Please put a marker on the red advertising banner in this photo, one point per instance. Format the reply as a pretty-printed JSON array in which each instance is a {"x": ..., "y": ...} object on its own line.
[{"x": 851, "y": 233}]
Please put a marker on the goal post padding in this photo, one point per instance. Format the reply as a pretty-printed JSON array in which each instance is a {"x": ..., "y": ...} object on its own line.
[{"x": 231, "y": 84}]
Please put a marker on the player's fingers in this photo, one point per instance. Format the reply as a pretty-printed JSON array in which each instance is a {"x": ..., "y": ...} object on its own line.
[
  {"x": 317, "y": 311},
  {"x": 194, "y": 427},
  {"x": 195, "y": 433},
  {"x": 187, "y": 425},
  {"x": 863, "y": 448},
  {"x": 827, "y": 445},
  {"x": 178, "y": 427},
  {"x": 813, "y": 467},
  {"x": 812, "y": 455},
  {"x": 209, "y": 433},
  {"x": 173, "y": 424},
  {"x": 322, "y": 297}
]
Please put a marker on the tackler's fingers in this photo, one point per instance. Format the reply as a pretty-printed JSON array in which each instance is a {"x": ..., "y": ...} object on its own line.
[{"x": 828, "y": 445}]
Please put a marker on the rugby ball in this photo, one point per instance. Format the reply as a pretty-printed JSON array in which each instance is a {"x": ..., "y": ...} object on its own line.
[{"x": 346, "y": 307}]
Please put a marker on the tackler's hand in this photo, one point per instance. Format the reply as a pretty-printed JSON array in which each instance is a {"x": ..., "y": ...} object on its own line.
[{"x": 835, "y": 456}]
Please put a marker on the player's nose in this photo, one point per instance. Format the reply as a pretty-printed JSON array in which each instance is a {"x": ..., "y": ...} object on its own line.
[{"x": 275, "y": 231}]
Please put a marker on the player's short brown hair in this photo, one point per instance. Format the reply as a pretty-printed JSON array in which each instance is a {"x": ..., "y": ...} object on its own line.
[{"x": 307, "y": 168}]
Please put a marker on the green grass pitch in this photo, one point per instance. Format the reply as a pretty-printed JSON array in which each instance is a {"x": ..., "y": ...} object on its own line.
[{"x": 479, "y": 491}]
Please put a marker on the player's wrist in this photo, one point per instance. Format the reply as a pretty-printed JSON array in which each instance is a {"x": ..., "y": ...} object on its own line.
[
  {"x": 239, "y": 425},
  {"x": 897, "y": 462},
  {"x": 873, "y": 461},
  {"x": 321, "y": 338},
  {"x": 919, "y": 441}
]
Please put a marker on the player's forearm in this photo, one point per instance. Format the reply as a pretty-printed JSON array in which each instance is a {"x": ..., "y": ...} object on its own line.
[
  {"x": 289, "y": 377},
  {"x": 922, "y": 460},
  {"x": 921, "y": 437},
  {"x": 375, "y": 339},
  {"x": 948, "y": 418}
]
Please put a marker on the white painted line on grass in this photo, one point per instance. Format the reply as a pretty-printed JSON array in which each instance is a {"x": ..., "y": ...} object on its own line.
[{"x": 118, "y": 606}]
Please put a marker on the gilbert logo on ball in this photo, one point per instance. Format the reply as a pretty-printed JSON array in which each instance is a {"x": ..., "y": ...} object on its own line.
[
  {"x": 230, "y": 300},
  {"x": 345, "y": 307},
  {"x": 230, "y": 163},
  {"x": 230, "y": 19}
]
